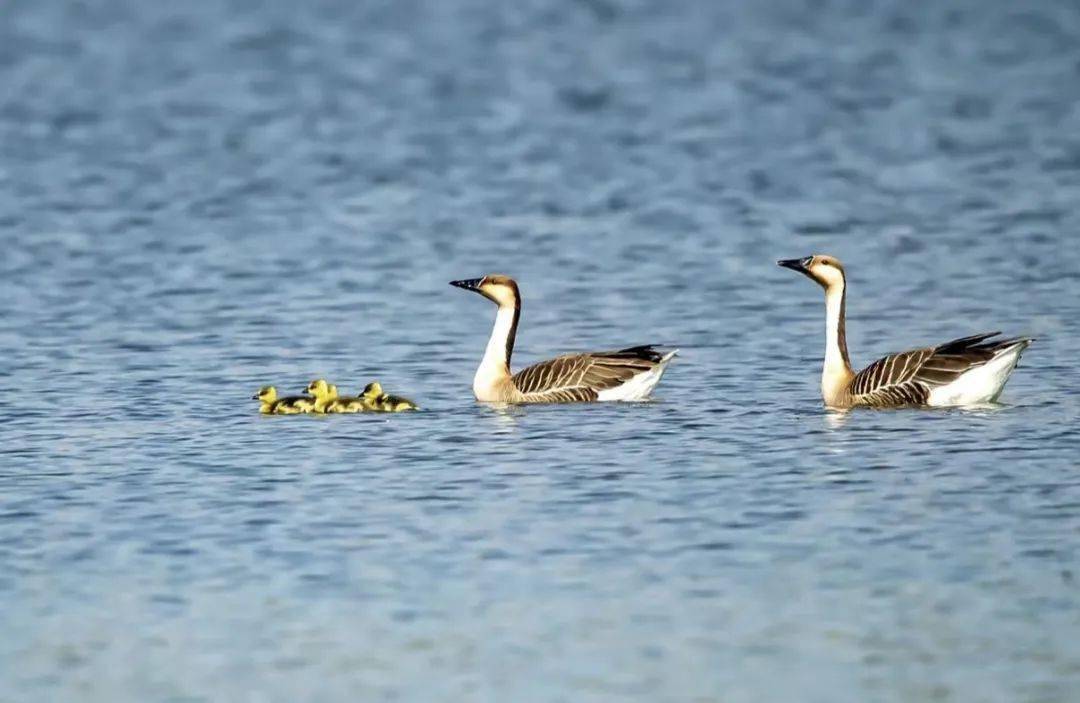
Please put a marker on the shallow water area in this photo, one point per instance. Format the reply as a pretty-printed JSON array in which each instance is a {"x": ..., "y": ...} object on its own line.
[{"x": 198, "y": 200}]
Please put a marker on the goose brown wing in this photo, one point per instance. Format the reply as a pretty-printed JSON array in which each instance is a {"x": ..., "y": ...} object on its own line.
[
  {"x": 909, "y": 377},
  {"x": 892, "y": 380},
  {"x": 581, "y": 377}
]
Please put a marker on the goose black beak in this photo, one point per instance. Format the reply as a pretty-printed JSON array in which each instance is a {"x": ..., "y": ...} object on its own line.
[
  {"x": 468, "y": 283},
  {"x": 255, "y": 397},
  {"x": 800, "y": 265}
]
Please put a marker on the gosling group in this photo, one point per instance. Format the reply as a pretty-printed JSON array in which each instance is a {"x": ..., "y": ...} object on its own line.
[
  {"x": 967, "y": 371},
  {"x": 321, "y": 398}
]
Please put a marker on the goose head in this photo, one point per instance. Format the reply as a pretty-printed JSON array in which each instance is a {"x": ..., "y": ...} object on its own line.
[
  {"x": 501, "y": 290},
  {"x": 826, "y": 271},
  {"x": 266, "y": 394}
]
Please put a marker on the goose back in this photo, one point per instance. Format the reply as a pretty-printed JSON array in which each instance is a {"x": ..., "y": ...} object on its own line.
[
  {"x": 910, "y": 377},
  {"x": 581, "y": 377}
]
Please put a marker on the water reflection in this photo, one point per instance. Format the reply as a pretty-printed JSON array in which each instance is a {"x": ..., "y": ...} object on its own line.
[
  {"x": 837, "y": 419},
  {"x": 505, "y": 416}
]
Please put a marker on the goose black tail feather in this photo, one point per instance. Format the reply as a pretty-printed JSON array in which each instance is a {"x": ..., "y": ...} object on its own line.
[
  {"x": 981, "y": 344},
  {"x": 646, "y": 352},
  {"x": 975, "y": 341}
]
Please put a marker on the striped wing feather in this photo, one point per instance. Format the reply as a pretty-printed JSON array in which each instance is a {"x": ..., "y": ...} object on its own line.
[
  {"x": 909, "y": 377},
  {"x": 581, "y": 377}
]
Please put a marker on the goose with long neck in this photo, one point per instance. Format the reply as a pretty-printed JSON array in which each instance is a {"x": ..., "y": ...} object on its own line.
[
  {"x": 966, "y": 371},
  {"x": 836, "y": 372},
  {"x": 626, "y": 374},
  {"x": 493, "y": 380}
]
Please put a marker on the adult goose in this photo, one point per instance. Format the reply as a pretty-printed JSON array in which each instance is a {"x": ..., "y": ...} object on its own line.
[
  {"x": 626, "y": 374},
  {"x": 968, "y": 371}
]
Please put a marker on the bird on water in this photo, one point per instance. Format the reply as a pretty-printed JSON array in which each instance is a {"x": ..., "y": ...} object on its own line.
[
  {"x": 968, "y": 371},
  {"x": 324, "y": 394},
  {"x": 626, "y": 374},
  {"x": 376, "y": 400},
  {"x": 271, "y": 404}
]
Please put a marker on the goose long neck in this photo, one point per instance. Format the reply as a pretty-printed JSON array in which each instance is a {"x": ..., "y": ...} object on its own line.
[
  {"x": 500, "y": 346},
  {"x": 836, "y": 352}
]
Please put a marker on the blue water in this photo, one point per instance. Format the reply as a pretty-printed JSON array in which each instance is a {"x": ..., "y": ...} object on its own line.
[{"x": 197, "y": 199}]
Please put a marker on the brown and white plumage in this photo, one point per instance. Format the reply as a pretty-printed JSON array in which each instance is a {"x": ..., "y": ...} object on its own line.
[
  {"x": 911, "y": 378},
  {"x": 965, "y": 371},
  {"x": 583, "y": 377},
  {"x": 625, "y": 374}
]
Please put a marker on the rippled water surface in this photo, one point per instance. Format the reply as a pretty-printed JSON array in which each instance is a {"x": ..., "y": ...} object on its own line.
[{"x": 200, "y": 198}]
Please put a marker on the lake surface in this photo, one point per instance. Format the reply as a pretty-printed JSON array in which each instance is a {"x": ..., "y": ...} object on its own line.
[{"x": 199, "y": 199}]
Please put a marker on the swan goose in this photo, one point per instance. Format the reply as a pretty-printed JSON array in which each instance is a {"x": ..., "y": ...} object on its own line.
[
  {"x": 968, "y": 371},
  {"x": 627, "y": 374}
]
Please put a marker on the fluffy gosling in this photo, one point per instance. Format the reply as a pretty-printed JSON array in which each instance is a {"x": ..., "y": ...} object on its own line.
[
  {"x": 323, "y": 393},
  {"x": 377, "y": 401},
  {"x": 271, "y": 404}
]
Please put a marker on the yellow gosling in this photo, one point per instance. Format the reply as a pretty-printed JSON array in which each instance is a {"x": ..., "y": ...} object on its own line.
[
  {"x": 324, "y": 394},
  {"x": 377, "y": 401},
  {"x": 266, "y": 396},
  {"x": 346, "y": 404},
  {"x": 271, "y": 404}
]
